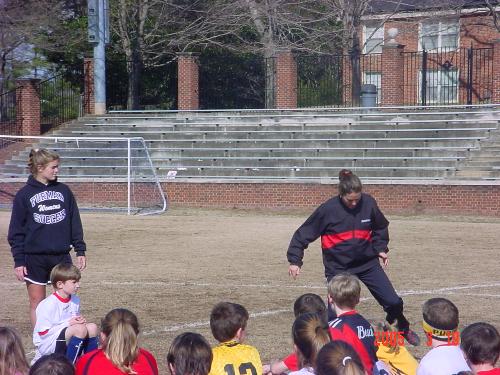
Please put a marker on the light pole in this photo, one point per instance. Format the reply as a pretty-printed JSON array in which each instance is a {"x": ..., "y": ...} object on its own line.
[{"x": 98, "y": 34}]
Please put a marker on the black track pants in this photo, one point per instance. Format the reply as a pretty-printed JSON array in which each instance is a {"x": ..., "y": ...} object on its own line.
[{"x": 380, "y": 287}]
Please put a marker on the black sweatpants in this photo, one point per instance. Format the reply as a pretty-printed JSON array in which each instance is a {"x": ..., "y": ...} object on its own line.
[{"x": 380, "y": 287}]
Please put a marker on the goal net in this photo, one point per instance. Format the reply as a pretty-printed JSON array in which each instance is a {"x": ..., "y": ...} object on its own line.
[{"x": 102, "y": 172}]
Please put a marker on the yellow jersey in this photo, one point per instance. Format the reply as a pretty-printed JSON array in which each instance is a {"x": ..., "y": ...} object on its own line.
[
  {"x": 233, "y": 358},
  {"x": 401, "y": 363}
]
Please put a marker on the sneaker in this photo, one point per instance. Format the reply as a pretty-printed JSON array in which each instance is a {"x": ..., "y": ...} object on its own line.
[{"x": 412, "y": 337}]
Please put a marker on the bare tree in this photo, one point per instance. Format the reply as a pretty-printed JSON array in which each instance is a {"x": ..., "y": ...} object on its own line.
[
  {"x": 29, "y": 26},
  {"x": 151, "y": 32}
]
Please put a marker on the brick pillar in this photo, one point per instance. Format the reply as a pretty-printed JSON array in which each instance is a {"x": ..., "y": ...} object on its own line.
[
  {"x": 495, "y": 97},
  {"x": 28, "y": 106},
  {"x": 88, "y": 86},
  {"x": 392, "y": 74},
  {"x": 286, "y": 80},
  {"x": 188, "y": 82}
]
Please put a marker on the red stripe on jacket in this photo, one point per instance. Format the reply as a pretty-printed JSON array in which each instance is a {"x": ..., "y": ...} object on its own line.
[{"x": 331, "y": 240}]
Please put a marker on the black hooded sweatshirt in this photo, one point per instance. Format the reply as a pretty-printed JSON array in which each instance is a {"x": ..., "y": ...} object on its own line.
[
  {"x": 45, "y": 220},
  {"x": 350, "y": 238}
]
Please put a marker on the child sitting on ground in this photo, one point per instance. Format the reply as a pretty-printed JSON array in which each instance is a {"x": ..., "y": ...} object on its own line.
[
  {"x": 59, "y": 327},
  {"x": 228, "y": 323},
  {"x": 481, "y": 347},
  {"x": 12, "y": 356},
  {"x": 392, "y": 351},
  {"x": 310, "y": 333},
  {"x": 189, "y": 354},
  {"x": 306, "y": 303},
  {"x": 53, "y": 364},
  {"x": 339, "y": 358},
  {"x": 344, "y": 291},
  {"x": 440, "y": 321}
]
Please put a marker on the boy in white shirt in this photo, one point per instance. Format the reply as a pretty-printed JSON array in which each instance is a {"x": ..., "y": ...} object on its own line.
[
  {"x": 59, "y": 327},
  {"x": 440, "y": 321}
]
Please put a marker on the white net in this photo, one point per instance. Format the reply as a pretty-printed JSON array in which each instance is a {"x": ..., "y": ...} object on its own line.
[{"x": 103, "y": 173}]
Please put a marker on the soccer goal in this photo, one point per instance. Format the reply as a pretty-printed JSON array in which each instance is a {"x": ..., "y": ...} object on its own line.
[{"x": 102, "y": 172}]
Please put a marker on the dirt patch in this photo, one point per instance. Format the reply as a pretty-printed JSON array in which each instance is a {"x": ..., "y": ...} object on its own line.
[{"x": 171, "y": 269}]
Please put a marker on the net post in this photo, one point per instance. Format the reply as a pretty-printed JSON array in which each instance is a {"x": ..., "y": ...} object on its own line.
[{"x": 128, "y": 176}]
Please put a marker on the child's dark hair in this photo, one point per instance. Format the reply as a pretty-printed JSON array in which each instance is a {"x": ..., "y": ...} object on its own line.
[
  {"x": 64, "y": 272},
  {"x": 189, "y": 354},
  {"x": 310, "y": 303},
  {"x": 52, "y": 364},
  {"x": 40, "y": 157},
  {"x": 481, "y": 343},
  {"x": 440, "y": 313},
  {"x": 338, "y": 358},
  {"x": 310, "y": 333},
  {"x": 349, "y": 182},
  {"x": 226, "y": 319}
]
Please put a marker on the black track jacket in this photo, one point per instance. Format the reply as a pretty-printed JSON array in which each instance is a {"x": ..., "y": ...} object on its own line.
[{"x": 350, "y": 238}]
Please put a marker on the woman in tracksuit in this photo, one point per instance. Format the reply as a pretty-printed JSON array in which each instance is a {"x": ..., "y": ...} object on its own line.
[{"x": 354, "y": 236}]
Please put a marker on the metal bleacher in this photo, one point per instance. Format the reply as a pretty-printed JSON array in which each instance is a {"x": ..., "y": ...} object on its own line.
[{"x": 297, "y": 145}]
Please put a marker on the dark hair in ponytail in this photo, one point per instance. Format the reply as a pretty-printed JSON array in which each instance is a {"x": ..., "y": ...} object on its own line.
[
  {"x": 349, "y": 182},
  {"x": 310, "y": 333}
]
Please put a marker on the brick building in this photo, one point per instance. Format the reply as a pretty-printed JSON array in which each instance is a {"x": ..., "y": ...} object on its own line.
[{"x": 443, "y": 52}]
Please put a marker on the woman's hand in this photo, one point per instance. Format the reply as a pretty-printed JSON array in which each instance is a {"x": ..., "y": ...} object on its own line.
[
  {"x": 384, "y": 259},
  {"x": 293, "y": 271},
  {"x": 81, "y": 262},
  {"x": 20, "y": 272}
]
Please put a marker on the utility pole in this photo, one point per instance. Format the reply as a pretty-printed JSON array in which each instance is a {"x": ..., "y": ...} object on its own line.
[{"x": 98, "y": 34}]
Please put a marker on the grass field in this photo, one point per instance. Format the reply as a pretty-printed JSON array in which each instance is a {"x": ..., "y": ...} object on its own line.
[{"x": 171, "y": 269}]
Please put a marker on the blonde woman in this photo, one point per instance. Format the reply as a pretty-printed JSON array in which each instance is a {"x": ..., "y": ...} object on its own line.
[
  {"x": 44, "y": 225},
  {"x": 120, "y": 352}
]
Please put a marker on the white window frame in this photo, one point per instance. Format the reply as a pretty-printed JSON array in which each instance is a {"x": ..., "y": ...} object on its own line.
[
  {"x": 377, "y": 83},
  {"x": 379, "y": 29},
  {"x": 443, "y": 26},
  {"x": 439, "y": 86}
]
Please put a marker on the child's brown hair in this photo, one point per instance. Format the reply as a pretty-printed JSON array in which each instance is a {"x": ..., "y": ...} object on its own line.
[
  {"x": 226, "y": 319},
  {"x": 12, "y": 356},
  {"x": 64, "y": 272}
]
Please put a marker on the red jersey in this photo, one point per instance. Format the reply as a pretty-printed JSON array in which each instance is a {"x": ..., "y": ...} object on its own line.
[
  {"x": 352, "y": 328},
  {"x": 96, "y": 363}
]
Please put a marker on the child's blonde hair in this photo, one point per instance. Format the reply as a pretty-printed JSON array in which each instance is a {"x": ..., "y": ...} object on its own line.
[
  {"x": 310, "y": 333},
  {"x": 121, "y": 328},
  {"x": 40, "y": 157},
  {"x": 338, "y": 358},
  {"x": 12, "y": 356},
  {"x": 64, "y": 272},
  {"x": 345, "y": 290}
]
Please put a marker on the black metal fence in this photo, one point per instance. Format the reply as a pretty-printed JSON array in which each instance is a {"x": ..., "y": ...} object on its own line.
[
  {"x": 8, "y": 125},
  {"x": 445, "y": 76},
  {"x": 157, "y": 85},
  {"x": 329, "y": 80},
  {"x": 230, "y": 80},
  {"x": 60, "y": 98}
]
